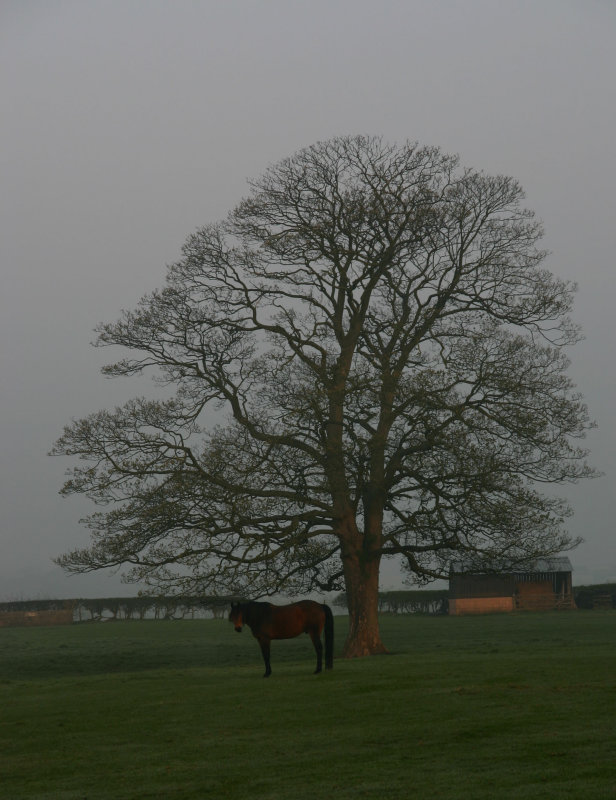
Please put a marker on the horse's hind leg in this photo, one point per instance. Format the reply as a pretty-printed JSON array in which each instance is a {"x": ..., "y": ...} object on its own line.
[
  {"x": 318, "y": 646},
  {"x": 265, "y": 650}
]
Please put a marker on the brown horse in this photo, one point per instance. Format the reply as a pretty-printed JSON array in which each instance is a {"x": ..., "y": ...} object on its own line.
[{"x": 268, "y": 622}]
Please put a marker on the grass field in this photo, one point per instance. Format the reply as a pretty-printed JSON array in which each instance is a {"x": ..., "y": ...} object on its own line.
[{"x": 511, "y": 706}]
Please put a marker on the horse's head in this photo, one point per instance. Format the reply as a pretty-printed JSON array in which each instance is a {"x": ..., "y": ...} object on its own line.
[{"x": 236, "y": 616}]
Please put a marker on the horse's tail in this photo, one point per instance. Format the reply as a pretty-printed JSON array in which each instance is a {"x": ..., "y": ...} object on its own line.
[{"x": 329, "y": 637}]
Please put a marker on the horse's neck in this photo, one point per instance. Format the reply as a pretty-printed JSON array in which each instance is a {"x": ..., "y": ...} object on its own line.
[
  {"x": 249, "y": 614},
  {"x": 253, "y": 614}
]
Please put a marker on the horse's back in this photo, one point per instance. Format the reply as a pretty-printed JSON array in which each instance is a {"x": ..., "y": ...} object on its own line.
[
  {"x": 312, "y": 612},
  {"x": 304, "y": 616},
  {"x": 308, "y": 606}
]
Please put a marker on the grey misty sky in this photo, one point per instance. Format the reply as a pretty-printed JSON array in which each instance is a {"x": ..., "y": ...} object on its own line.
[{"x": 126, "y": 124}]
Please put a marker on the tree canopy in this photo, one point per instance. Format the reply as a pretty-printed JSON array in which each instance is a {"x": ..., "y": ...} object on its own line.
[{"x": 367, "y": 360}]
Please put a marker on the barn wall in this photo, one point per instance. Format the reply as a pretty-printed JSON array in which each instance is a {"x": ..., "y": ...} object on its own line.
[
  {"x": 535, "y": 596},
  {"x": 470, "y": 586},
  {"x": 480, "y": 605}
]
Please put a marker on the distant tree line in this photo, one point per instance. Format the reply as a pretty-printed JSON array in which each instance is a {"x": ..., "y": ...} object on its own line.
[
  {"x": 153, "y": 607},
  {"x": 424, "y": 601},
  {"x": 600, "y": 595},
  {"x": 118, "y": 608}
]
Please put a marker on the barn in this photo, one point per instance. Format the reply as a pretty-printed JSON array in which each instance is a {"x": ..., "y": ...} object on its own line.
[{"x": 543, "y": 585}]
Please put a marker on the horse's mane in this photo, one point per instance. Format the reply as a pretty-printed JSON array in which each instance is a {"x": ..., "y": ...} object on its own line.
[{"x": 254, "y": 611}]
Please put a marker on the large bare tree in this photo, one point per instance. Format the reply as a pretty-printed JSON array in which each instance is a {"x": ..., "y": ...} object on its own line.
[{"x": 367, "y": 359}]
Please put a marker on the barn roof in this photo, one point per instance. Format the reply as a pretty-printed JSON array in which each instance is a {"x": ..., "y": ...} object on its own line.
[{"x": 550, "y": 564}]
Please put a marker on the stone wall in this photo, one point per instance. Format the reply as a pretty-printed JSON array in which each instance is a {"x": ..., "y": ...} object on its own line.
[{"x": 32, "y": 618}]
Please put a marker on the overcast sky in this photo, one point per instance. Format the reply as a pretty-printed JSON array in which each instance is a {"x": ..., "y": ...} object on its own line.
[{"x": 125, "y": 124}]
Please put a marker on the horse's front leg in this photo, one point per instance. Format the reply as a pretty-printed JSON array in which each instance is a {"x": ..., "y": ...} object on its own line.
[
  {"x": 265, "y": 650},
  {"x": 318, "y": 646}
]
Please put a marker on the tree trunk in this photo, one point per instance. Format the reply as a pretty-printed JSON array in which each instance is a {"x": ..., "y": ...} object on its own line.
[{"x": 362, "y": 589}]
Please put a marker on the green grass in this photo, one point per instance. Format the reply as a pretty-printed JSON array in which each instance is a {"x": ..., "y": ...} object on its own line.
[{"x": 464, "y": 708}]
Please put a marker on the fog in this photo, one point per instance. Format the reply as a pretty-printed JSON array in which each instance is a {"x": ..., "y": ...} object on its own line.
[{"x": 127, "y": 124}]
